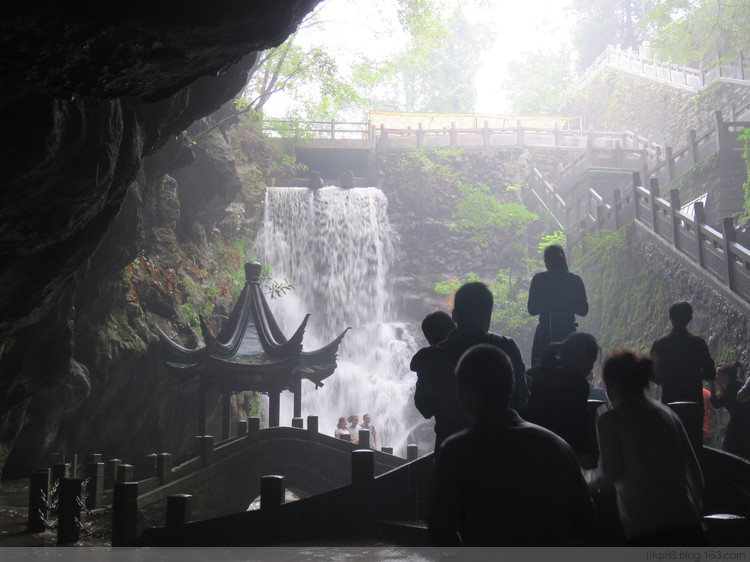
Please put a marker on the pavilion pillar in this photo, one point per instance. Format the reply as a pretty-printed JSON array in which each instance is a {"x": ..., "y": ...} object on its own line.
[
  {"x": 274, "y": 406},
  {"x": 297, "y": 390},
  {"x": 226, "y": 414},
  {"x": 202, "y": 391}
]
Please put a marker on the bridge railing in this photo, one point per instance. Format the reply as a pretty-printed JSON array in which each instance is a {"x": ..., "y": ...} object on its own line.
[
  {"x": 716, "y": 253},
  {"x": 684, "y": 77}
]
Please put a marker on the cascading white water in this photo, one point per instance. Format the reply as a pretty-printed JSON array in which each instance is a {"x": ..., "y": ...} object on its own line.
[{"x": 337, "y": 246}]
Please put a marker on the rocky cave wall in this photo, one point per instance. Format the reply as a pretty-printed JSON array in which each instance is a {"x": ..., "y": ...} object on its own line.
[{"x": 93, "y": 104}]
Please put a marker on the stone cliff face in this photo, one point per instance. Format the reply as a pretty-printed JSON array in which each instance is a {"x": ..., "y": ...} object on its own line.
[{"x": 93, "y": 105}]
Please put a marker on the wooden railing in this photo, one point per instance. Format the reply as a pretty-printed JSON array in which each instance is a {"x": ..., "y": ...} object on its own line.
[
  {"x": 683, "y": 77},
  {"x": 716, "y": 253}
]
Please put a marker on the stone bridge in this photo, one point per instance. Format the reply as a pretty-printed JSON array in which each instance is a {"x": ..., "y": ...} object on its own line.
[{"x": 226, "y": 479}]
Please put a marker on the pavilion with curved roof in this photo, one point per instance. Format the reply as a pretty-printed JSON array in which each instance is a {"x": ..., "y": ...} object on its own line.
[{"x": 250, "y": 353}]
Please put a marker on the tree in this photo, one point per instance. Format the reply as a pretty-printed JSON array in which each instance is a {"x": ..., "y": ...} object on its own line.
[
  {"x": 604, "y": 22},
  {"x": 692, "y": 32},
  {"x": 436, "y": 71},
  {"x": 481, "y": 215},
  {"x": 539, "y": 83}
]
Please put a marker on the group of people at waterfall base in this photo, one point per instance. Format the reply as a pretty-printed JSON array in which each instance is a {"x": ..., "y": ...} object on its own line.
[
  {"x": 530, "y": 457},
  {"x": 349, "y": 428}
]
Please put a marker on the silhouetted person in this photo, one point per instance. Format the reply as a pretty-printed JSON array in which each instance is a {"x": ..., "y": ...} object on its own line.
[
  {"x": 560, "y": 393},
  {"x": 645, "y": 453},
  {"x": 436, "y": 326},
  {"x": 342, "y": 432},
  {"x": 557, "y": 296},
  {"x": 681, "y": 362},
  {"x": 435, "y": 393},
  {"x": 724, "y": 392},
  {"x": 504, "y": 481}
]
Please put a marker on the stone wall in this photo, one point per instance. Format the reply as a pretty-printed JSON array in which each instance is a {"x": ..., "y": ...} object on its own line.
[
  {"x": 664, "y": 114},
  {"x": 632, "y": 278}
]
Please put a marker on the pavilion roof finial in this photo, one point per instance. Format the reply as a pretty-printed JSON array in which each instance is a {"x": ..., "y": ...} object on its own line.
[{"x": 252, "y": 272}]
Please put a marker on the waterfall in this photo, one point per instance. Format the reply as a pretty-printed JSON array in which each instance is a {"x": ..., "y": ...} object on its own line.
[{"x": 337, "y": 246}]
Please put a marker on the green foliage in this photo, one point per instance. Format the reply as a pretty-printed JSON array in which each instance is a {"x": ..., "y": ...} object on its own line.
[
  {"x": 691, "y": 32},
  {"x": 481, "y": 215},
  {"x": 603, "y": 22},
  {"x": 539, "y": 83},
  {"x": 745, "y": 137},
  {"x": 557, "y": 237}
]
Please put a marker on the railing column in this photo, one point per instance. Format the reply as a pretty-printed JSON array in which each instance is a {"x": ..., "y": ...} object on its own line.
[
  {"x": 312, "y": 425},
  {"x": 729, "y": 236},
  {"x": 388, "y": 450},
  {"x": 124, "y": 513},
  {"x": 38, "y": 498},
  {"x": 297, "y": 394},
  {"x": 69, "y": 512},
  {"x": 486, "y": 134},
  {"x": 272, "y": 488},
  {"x": 333, "y": 129},
  {"x": 149, "y": 466},
  {"x": 95, "y": 486},
  {"x": 692, "y": 146},
  {"x": 111, "y": 470},
  {"x": 364, "y": 438},
  {"x": 363, "y": 477},
  {"x": 125, "y": 473},
  {"x": 226, "y": 414},
  {"x": 201, "y": 408},
  {"x": 617, "y": 196},
  {"x": 519, "y": 134},
  {"x": 454, "y": 134},
  {"x": 558, "y": 135},
  {"x": 298, "y": 423},
  {"x": 60, "y": 471},
  {"x": 674, "y": 200},
  {"x": 669, "y": 163},
  {"x": 654, "y": 184},
  {"x": 420, "y": 135},
  {"x": 241, "y": 428},
  {"x": 599, "y": 217},
  {"x": 164, "y": 468},
  {"x": 412, "y": 452},
  {"x": 253, "y": 430},
  {"x": 274, "y": 398},
  {"x": 700, "y": 219},
  {"x": 178, "y": 511}
]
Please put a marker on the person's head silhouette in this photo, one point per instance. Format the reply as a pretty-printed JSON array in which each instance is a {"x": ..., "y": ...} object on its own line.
[{"x": 472, "y": 307}]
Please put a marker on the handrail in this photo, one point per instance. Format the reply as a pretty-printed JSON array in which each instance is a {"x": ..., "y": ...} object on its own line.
[{"x": 683, "y": 77}]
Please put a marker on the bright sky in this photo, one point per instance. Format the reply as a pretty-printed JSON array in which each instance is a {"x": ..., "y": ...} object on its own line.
[{"x": 356, "y": 27}]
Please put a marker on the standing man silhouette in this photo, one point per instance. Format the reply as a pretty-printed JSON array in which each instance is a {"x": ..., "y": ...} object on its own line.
[
  {"x": 681, "y": 362},
  {"x": 436, "y": 393},
  {"x": 557, "y": 296}
]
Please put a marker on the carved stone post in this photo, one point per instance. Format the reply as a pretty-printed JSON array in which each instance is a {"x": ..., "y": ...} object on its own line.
[
  {"x": 729, "y": 236},
  {"x": 700, "y": 219},
  {"x": 654, "y": 184},
  {"x": 674, "y": 199}
]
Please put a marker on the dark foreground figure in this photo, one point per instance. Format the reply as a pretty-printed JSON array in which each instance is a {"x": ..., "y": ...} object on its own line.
[
  {"x": 645, "y": 453},
  {"x": 504, "y": 481},
  {"x": 682, "y": 361},
  {"x": 557, "y": 296},
  {"x": 435, "y": 393},
  {"x": 724, "y": 394}
]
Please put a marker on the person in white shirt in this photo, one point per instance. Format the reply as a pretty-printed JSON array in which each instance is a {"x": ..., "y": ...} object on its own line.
[
  {"x": 645, "y": 453},
  {"x": 354, "y": 428},
  {"x": 342, "y": 430},
  {"x": 371, "y": 428}
]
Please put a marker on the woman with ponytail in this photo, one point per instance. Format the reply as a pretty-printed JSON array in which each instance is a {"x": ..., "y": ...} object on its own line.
[
  {"x": 646, "y": 455},
  {"x": 724, "y": 395}
]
